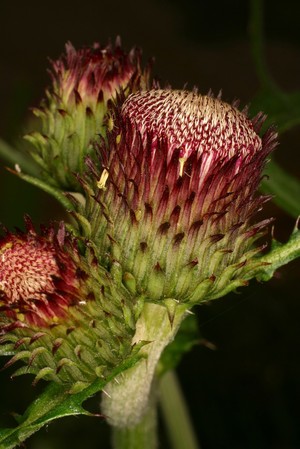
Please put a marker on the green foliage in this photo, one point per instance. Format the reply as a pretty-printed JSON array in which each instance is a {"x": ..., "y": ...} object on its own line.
[
  {"x": 279, "y": 255},
  {"x": 284, "y": 187},
  {"x": 55, "y": 402},
  {"x": 283, "y": 111}
]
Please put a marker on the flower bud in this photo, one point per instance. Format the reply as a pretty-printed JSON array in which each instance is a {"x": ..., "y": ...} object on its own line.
[
  {"x": 60, "y": 313},
  {"x": 174, "y": 207},
  {"x": 74, "y": 112},
  {"x": 179, "y": 194}
]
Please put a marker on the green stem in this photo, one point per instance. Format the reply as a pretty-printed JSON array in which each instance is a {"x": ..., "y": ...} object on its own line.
[
  {"x": 128, "y": 396},
  {"x": 14, "y": 157},
  {"x": 175, "y": 413},
  {"x": 141, "y": 436},
  {"x": 58, "y": 194},
  {"x": 257, "y": 43}
]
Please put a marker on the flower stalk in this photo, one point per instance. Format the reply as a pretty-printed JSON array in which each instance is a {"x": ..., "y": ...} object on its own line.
[
  {"x": 142, "y": 435},
  {"x": 175, "y": 413},
  {"x": 126, "y": 400}
]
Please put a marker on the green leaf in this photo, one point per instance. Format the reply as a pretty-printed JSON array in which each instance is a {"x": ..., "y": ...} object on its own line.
[
  {"x": 280, "y": 254},
  {"x": 58, "y": 194},
  {"x": 55, "y": 402},
  {"x": 282, "y": 109},
  {"x": 284, "y": 187},
  {"x": 14, "y": 156}
]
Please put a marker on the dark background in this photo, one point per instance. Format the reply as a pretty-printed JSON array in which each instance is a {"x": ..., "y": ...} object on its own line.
[{"x": 245, "y": 394}]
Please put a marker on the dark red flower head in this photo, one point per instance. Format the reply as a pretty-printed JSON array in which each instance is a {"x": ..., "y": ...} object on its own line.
[
  {"x": 94, "y": 73},
  {"x": 191, "y": 123},
  {"x": 37, "y": 278},
  {"x": 178, "y": 193},
  {"x": 60, "y": 312},
  {"x": 74, "y": 114}
]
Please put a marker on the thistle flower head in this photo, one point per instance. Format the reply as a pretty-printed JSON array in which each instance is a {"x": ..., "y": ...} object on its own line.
[
  {"x": 58, "y": 310},
  {"x": 181, "y": 175},
  {"x": 93, "y": 74},
  {"x": 74, "y": 113},
  {"x": 37, "y": 279},
  {"x": 191, "y": 123},
  {"x": 178, "y": 197}
]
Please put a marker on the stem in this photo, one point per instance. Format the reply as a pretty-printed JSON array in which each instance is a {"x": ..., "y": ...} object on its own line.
[
  {"x": 14, "y": 156},
  {"x": 127, "y": 397},
  {"x": 257, "y": 43},
  {"x": 141, "y": 436},
  {"x": 58, "y": 194},
  {"x": 175, "y": 413}
]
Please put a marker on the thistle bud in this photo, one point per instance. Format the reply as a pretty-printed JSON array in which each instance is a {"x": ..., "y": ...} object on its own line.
[
  {"x": 74, "y": 112},
  {"x": 174, "y": 205},
  {"x": 179, "y": 198},
  {"x": 59, "y": 312}
]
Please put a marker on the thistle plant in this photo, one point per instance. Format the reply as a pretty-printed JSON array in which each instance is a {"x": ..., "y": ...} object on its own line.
[{"x": 166, "y": 219}]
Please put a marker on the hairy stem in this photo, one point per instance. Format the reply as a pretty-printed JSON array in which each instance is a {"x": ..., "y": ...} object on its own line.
[
  {"x": 127, "y": 397},
  {"x": 141, "y": 436}
]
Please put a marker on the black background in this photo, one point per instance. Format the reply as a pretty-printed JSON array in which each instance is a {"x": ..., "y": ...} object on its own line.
[{"x": 245, "y": 394}]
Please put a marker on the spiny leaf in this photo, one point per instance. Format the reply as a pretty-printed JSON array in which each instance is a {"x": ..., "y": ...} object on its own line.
[
  {"x": 55, "y": 402},
  {"x": 279, "y": 255}
]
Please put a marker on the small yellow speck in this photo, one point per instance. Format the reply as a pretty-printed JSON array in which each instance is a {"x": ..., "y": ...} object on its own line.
[
  {"x": 110, "y": 123},
  {"x": 102, "y": 181},
  {"x": 2, "y": 285},
  {"x": 20, "y": 316},
  {"x": 138, "y": 214},
  {"x": 181, "y": 165},
  {"x": 118, "y": 138},
  {"x": 5, "y": 247}
]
